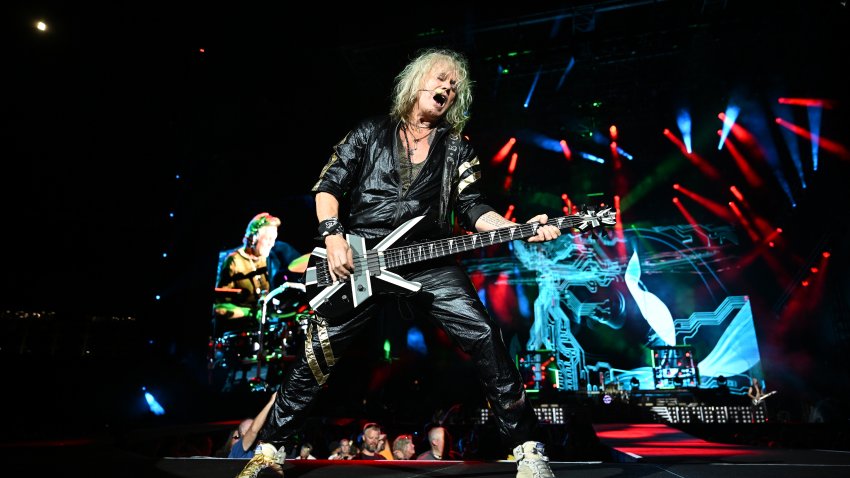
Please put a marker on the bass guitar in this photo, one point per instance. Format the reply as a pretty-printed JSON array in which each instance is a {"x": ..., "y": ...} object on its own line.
[{"x": 372, "y": 273}]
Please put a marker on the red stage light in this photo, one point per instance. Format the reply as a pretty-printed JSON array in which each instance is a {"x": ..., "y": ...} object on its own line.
[{"x": 566, "y": 150}]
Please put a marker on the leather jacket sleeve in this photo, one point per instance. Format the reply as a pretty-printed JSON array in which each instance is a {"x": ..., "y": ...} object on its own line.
[
  {"x": 341, "y": 169},
  {"x": 469, "y": 203}
]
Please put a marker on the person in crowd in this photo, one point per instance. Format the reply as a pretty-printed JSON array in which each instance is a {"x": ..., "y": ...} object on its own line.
[
  {"x": 403, "y": 447},
  {"x": 305, "y": 453},
  {"x": 371, "y": 441},
  {"x": 345, "y": 451},
  {"x": 439, "y": 441},
  {"x": 243, "y": 440},
  {"x": 234, "y": 436}
]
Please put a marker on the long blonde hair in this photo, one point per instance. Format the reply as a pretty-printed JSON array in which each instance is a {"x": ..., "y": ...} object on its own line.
[{"x": 409, "y": 81}]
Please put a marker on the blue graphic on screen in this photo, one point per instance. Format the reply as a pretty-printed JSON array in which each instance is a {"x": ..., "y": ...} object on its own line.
[{"x": 602, "y": 314}]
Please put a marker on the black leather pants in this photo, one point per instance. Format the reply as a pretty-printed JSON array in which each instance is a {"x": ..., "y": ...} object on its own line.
[{"x": 448, "y": 295}]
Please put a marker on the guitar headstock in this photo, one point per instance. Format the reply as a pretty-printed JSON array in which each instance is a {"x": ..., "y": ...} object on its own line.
[{"x": 591, "y": 218}]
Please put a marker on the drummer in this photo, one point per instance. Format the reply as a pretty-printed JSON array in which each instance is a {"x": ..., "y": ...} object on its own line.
[{"x": 244, "y": 277}]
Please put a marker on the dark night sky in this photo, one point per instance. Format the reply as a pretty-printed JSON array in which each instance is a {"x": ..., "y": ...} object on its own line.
[{"x": 111, "y": 104}]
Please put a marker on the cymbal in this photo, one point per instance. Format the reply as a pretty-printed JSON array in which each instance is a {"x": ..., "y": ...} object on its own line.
[{"x": 299, "y": 265}]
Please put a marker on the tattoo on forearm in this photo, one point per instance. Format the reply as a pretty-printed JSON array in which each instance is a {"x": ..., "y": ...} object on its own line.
[{"x": 495, "y": 219}]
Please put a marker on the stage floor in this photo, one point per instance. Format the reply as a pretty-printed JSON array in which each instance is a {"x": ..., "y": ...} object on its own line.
[
  {"x": 196, "y": 468},
  {"x": 635, "y": 450}
]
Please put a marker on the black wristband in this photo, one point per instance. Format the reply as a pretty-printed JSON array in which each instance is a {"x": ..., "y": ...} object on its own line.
[{"x": 330, "y": 226}]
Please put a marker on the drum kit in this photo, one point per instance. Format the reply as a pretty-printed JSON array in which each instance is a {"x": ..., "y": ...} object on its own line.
[{"x": 260, "y": 350}]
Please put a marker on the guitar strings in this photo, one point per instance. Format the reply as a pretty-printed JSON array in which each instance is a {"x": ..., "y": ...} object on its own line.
[{"x": 373, "y": 259}]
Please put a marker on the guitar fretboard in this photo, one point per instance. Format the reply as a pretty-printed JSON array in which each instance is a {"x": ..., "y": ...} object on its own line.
[{"x": 401, "y": 256}]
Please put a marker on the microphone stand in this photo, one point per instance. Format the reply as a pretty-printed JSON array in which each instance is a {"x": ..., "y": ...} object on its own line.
[{"x": 265, "y": 302}]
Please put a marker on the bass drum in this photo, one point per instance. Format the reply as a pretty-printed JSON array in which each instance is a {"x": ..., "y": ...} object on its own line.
[{"x": 237, "y": 348}]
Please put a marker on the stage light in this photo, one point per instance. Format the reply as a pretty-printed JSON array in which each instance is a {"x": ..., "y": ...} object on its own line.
[
  {"x": 592, "y": 158},
  {"x": 728, "y": 118},
  {"x": 41, "y": 26},
  {"x": 736, "y": 193},
  {"x": 826, "y": 255},
  {"x": 533, "y": 87},
  {"x": 810, "y": 102},
  {"x": 416, "y": 341},
  {"x": 827, "y": 144},
  {"x": 684, "y": 123},
  {"x": 569, "y": 67},
  {"x": 153, "y": 405},
  {"x": 503, "y": 151},
  {"x": 625, "y": 153},
  {"x": 814, "y": 127},
  {"x": 566, "y": 150}
]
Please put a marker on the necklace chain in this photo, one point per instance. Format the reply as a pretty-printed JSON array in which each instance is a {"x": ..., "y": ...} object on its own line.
[
  {"x": 413, "y": 136},
  {"x": 410, "y": 150}
]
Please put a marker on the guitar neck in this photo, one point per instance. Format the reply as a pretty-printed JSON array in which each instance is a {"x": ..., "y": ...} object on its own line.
[{"x": 401, "y": 256}]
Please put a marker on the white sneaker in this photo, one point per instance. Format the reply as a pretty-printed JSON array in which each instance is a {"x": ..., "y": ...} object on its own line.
[
  {"x": 265, "y": 455},
  {"x": 531, "y": 461}
]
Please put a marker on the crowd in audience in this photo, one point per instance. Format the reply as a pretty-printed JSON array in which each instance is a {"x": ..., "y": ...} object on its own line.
[{"x": 370, "y": 443}]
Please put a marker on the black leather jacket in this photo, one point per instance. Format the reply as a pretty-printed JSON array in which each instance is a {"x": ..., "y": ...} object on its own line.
[{"x": 363, "y": 171}]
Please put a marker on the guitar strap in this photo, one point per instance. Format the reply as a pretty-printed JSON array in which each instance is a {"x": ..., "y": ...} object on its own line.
[{"x": 449, "y": 171}]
